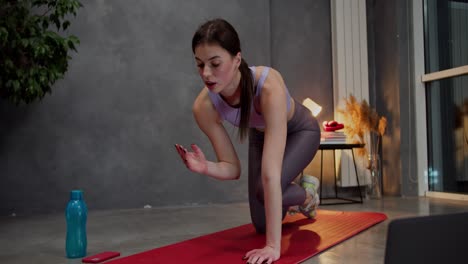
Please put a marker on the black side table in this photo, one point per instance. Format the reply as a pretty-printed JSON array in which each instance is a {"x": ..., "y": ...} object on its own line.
[{"x": 334, "y": 147}]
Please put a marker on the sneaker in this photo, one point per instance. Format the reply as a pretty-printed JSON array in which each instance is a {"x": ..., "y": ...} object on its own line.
[
  {"x": 311, "y": 185},
  {"x": 293, "y": 210}
]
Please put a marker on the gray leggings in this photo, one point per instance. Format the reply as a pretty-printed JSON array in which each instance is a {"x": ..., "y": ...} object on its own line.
[{"x": 302, "y": 143}]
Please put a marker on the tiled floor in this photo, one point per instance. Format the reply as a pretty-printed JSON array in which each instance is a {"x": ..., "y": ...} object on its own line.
[{"x": 41, "y": 239}]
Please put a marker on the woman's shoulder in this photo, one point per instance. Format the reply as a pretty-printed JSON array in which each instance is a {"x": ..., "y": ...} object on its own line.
[
  {"x": 202, "y": 101},
  {"x": 265, "y": 70},
  {"x": 203, "y": 107},
  {"x": 272, "y": 82},
  {"x": 270, "y": 74},
  {"x": 258, "y": 70}
]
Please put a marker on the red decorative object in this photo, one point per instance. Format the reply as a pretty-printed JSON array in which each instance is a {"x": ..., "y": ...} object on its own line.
[{"x": 332, "y": 125}]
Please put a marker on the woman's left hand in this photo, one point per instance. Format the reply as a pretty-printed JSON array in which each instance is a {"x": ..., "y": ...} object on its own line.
[
  {"x": 263, "y": 255},
  {"x": 195, "y": 161}
]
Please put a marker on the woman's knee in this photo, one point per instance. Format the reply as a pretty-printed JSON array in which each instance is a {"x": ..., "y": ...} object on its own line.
[
  {"x": 260, "y": 228},
  {"x": 260, "y": 194},
  {"x": 257, "y": 215}
]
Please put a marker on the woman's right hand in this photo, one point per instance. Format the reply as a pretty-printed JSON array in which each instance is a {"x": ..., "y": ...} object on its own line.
[{"x": 195, "y": 161}]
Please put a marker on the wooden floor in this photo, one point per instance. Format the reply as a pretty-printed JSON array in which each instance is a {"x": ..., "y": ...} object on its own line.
[{"x": 41, "y": 239}]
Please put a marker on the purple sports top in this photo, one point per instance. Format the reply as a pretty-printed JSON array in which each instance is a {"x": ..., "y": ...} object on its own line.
[{"x": 232, "y": 114}]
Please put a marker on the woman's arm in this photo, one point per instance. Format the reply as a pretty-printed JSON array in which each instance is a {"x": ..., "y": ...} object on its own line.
[
  {"x": 274, "y": 111},
  {"x": 227, "y": 166}
]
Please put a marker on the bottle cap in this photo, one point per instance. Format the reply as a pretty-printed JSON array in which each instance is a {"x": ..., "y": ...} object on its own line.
[{"x": 76, "y": 195}]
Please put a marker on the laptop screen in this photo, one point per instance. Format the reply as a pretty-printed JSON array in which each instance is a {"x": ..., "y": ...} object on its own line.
[{"x": 435, "y": 239}]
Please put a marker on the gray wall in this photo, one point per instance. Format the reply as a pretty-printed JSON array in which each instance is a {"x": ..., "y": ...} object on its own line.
[
  {"x": 110, "y": 126},
  {"x": 391, "y": 90}
]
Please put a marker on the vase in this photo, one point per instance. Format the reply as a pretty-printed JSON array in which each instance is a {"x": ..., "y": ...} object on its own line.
[{"x": 373, "y": 188}]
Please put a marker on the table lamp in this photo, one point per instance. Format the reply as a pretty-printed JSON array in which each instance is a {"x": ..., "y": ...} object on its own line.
[{"x": 312, "y": 106}]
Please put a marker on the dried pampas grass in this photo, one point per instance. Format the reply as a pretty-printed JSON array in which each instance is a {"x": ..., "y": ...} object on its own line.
[{"x": 360, "y": 120}]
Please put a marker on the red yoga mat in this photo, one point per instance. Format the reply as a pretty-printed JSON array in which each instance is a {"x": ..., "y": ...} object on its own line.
[{"x": 302, "y": 238}]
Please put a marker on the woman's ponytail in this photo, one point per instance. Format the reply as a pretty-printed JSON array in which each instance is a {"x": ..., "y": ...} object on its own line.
[{"x": 246, "y": 99}]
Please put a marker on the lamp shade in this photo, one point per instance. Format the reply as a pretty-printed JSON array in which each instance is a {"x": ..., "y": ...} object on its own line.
[{"x": 312, "y": 106}]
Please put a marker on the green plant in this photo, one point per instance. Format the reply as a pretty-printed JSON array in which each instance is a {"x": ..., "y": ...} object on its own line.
[{"x": 33, "y": 55}]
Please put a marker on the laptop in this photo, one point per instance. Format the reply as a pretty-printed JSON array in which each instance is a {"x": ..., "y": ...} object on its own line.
[{"x": 434, "y": 239}]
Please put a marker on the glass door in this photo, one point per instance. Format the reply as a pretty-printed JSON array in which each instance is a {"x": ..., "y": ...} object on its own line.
[{"x": 446, "y": 60}]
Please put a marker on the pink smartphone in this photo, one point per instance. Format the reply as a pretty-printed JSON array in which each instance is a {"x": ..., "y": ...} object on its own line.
[{"x": 101, "y": 257}]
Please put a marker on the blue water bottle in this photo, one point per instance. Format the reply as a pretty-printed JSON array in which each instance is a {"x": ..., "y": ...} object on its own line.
[{"x": 76, "y": 215}]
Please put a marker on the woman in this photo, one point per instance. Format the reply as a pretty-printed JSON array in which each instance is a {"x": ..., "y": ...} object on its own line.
[{"x": 283, "y": 135}]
